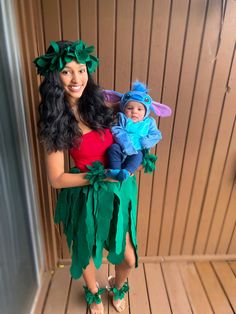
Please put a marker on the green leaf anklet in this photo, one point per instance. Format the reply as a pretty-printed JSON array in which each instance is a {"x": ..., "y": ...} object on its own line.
[
  {"x": 93, "y": 297},
  {"x": 120, "y": 293}
]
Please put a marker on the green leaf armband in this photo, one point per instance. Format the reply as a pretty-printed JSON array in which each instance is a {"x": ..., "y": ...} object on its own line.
[
  {"x": 149, "y": 161},
  {"x": 96, "y": 172}
]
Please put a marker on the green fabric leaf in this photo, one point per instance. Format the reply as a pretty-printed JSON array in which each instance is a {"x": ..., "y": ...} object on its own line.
[
  {"x": 57, "y": 60},
  {"x": 96, "y": 173},
  {"x": 55, "y": 46},
  {"x": 149, "y": 161},
  {"x": 93, "y": 298},
  {"x": 120, "y": 294}
]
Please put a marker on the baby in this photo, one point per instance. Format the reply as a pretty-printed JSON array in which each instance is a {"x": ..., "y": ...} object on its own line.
[{"x": 135, "y": 130}]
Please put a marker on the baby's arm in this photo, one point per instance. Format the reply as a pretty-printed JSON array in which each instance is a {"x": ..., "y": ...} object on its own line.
[
  {"x": 153, "y": 137},
  {"x": 121, "y": 136}
]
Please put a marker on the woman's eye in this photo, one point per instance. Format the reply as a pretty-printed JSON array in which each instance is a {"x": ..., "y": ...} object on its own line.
[
  {"x": 82, "y": 71},
  {"x": 65, "y": 72}
]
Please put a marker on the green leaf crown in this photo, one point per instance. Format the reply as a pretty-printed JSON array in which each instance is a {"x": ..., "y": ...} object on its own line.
[{"x": 57, "y": 59}]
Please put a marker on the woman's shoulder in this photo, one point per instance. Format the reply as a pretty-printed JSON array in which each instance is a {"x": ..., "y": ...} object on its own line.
[{"x": 96, "y": 133}]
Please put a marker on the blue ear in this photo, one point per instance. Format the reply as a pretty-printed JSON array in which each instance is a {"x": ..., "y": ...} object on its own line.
[{"x": 111, "y": 96}]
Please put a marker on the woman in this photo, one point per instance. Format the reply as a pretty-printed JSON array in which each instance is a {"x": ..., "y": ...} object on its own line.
[{"x": 96, "y": 212}]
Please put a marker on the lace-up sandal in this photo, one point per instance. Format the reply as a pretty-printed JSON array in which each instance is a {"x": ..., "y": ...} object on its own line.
[
  {"x": 94, "y": 298},
  {"x": 118, "y": 294}
]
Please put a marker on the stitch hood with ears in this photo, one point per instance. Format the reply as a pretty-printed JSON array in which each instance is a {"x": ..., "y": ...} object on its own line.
[{"x": 138, "y": 93}]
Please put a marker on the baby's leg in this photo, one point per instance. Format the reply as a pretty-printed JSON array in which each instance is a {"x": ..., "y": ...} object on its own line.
[
  {"x": 132, "y": 162},
  {"x": 115, "y": 156},
  {"x": 129, "y": 166}
]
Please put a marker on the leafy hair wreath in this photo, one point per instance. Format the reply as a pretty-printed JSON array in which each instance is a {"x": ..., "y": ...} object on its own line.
[{"x": 57, "y": 59}]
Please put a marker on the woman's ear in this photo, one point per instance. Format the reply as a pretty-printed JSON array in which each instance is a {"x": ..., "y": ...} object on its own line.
[
  {"x": 160, "y": 109},
  {"x": 111, "y": 96}
]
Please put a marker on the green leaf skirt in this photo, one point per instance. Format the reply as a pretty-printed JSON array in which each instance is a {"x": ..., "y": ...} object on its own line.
[{"x": 95, "y": 217}]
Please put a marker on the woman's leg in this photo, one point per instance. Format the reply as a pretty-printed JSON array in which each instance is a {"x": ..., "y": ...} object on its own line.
[
  {"x": 89, "y": 275},
  {"x": 122, "y": 271}
]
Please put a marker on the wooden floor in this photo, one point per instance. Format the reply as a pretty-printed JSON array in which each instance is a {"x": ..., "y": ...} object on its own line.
[{"x": 166, "y": 287}]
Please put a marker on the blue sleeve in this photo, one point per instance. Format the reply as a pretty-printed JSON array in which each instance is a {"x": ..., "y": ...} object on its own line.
[
  {"x": 153, "y": 137},
  {"x": 121, "y": 136}
]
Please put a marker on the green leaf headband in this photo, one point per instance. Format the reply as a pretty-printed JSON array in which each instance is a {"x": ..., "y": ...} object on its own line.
[{"x": 57, "y": 59}]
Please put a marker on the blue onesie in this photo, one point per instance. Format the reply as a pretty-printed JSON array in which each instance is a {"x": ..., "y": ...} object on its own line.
[{"x": 131, "y": 137}]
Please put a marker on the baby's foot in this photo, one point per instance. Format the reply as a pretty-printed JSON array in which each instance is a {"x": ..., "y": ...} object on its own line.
[
  {"x": 112, "y": 173},
  {"x": 123, "y": 175}
]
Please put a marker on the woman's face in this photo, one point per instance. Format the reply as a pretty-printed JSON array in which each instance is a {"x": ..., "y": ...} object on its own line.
[{"x": 74, "y": 78}]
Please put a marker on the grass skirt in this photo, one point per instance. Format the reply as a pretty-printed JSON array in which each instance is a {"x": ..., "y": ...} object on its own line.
[{"x": 95, "y": 217}]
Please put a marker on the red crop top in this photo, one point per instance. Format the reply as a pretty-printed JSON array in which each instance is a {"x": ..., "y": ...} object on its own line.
[{"x": 92, "y": 147}]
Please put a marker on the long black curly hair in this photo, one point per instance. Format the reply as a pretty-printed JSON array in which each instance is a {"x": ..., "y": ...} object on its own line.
[{"x": 58, "y": 127}]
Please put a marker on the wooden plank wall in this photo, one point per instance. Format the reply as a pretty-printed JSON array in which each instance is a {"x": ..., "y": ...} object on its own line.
[{"x": 185, "y": 51}]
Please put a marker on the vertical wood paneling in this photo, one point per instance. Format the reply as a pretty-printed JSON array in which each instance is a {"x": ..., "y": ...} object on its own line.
[
  {"x": 88, "y": 21},
  {"x": 175, "y": 50},
  {"x": 51, "y": 20},
  {"x": 227, "y": 183},
  {"x": 216, "y": 98},
  {"x": 106, "y": 42},
  {"x": 232, "y": 246},
  {"x": 185, "y": 51},
  {"x": 88, "y": 16},
  {"x": 218, "y": 160},
  {"x": 192, "y": 43},
  {"x": 208, "y": 48},
  {"x": 70, "y": 20},
  {"x": 142, "y": 28},
  {"x": 160, "y": 26},
  {"x": 229, "y": 224},
  {"x": 123, "y": 48},
  {"x": 141, "y": 41}
]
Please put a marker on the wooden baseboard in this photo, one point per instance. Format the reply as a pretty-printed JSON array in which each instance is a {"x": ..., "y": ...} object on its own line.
[{"x": 173, "y": 258}]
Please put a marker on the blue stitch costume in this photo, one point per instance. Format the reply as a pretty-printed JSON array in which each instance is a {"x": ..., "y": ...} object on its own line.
[{"x": 132, "y": 137}]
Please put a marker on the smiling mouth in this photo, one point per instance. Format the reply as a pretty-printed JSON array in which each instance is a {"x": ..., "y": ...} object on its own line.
[{"x": 75, "y": 88}]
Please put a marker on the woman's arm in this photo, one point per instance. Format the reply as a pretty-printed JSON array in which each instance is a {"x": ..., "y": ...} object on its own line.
[{"x": 57, "y": 176}]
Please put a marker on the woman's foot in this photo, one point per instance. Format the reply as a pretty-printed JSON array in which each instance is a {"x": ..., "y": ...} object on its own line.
[
  {"x": 118, "y": 300},
  {"x": 96, "y": 308},
  {"x": 93, "y": 299}
]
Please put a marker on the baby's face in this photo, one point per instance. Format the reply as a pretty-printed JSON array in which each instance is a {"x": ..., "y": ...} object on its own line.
[{"x": 135, "y": 111}]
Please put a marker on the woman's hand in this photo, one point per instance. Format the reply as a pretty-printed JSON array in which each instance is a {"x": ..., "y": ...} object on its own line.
[{"x": 110, "y": 180}]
